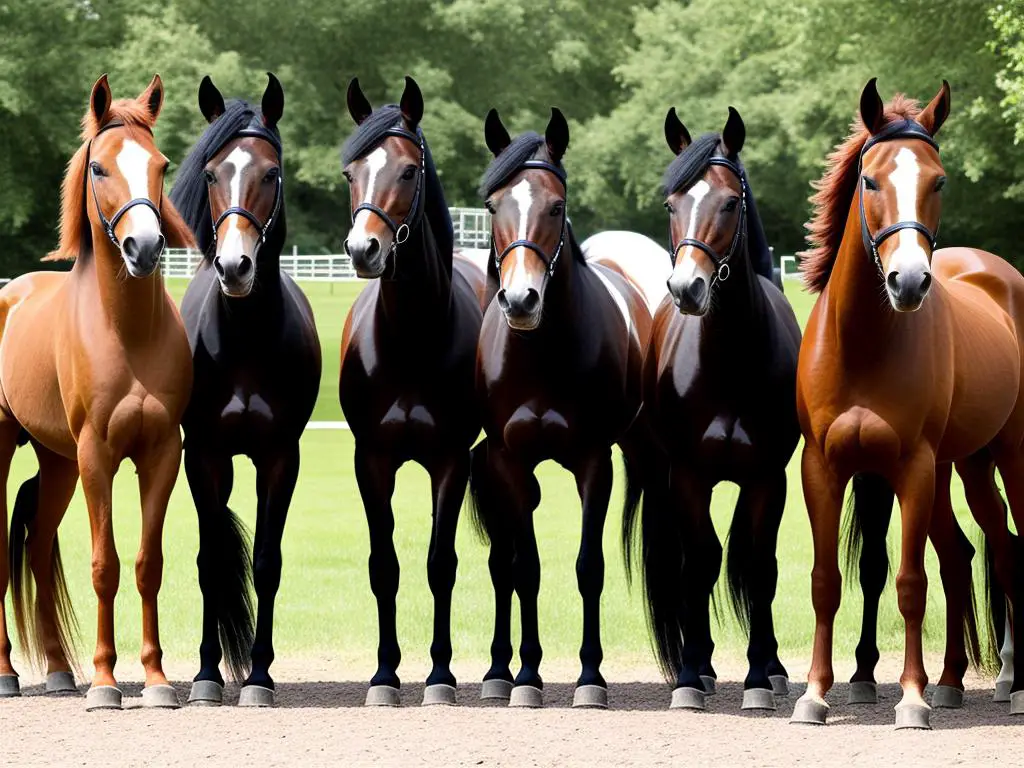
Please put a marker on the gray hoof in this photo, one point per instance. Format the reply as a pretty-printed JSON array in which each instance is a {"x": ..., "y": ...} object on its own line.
[
  {"x": 383, "y": 696},
  {"x": 592, "y": 696},
  {"x": 439, "y": 694},
  {"x": 526, "y": 696},
  {"x": 1002, "y": 694},
  {"x": 780, "y": 685},
  {"x": 913, "y": 716},
  {"x": 863, "y": 692},
  {"x": 206, "y": 693},
  {"x": 1017, "y": 703},
  {"x": 947, "y": 697},
  {"x": 256, "y": 696},
  {"x": 709, "y": 685},
  {"x": 810, "y": 710},
  {"x": 687, "y": 698},
  {"x": 160, "y": 697},
  {"x": 9, "y": 686},
  {"x": 496, "y": 689},
  {"x": 61, "y": 682},
  {"x": 102, "y": 697},
  {"x": 758, "y": 698}
]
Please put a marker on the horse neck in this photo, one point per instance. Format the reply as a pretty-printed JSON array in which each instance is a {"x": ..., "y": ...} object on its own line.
[
  {"x": 737, "y": 304},
  {"x": 421, "y": 285}
]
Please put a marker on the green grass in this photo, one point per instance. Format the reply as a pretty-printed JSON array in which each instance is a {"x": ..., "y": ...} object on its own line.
[{"x": 325, "y": 607}]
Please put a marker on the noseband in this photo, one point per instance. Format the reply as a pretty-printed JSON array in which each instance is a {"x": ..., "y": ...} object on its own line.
[
  {"x": 902, "y": 129},
  {"x": 112, "y": 222},
  {"x": 720, "y": 261},
  {"x": 548, "y": 261},
  {"x": 262, "y": 227}
]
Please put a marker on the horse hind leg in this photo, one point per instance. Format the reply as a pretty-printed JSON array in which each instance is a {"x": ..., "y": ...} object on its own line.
[
  {"x": 9, "y": 430},
  {"x": 1011, "y": 469}
]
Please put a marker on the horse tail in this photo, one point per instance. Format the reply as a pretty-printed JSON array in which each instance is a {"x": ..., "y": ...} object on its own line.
[
  {"x": 633, "y": 467},
  {"x": 867, "y": 493},
  {"x": 972, "y": 641},
  {"x": 740, "y": 573},
  {"x": 996, "y": 608},
  {"x": 225, "y": 568},
  {"x": 483, "y": 506}
]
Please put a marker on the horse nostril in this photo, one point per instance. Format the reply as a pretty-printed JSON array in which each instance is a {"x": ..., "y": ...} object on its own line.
[
  {"x": 218, "y": 266},
  {"x": 698, "y": 289},
  {"x": 131, "y": 248},
  {"x": 926, "y": 282},
  {"x": 503, "y": 300},
  {"x": 244, "y": 266},
  {"x": 372, "y": 247},
  {"x": 531, "y": 300},
  {"x": 161, "y": 243},
  {"x": 892, "y": 281},
  {"x": 345, "y": 246}
]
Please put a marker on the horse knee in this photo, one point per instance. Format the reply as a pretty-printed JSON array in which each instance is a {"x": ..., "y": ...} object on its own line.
[
  {"x": 825, "y": 590},
  {"x": 441, "y": 571},
  {"x": 266, "y": 573},
  {"x": 106, "y": 574},
  {"x": 149, "y": 570},
  {"x": 911, "y": 592}
]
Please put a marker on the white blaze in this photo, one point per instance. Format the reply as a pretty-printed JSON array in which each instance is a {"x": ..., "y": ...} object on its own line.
[
  {"x": 133, "y": 163},
  {"x": 375, "y": 162},
  {"x": 522, "y": 193},
  {"x": 232, "y": 246},
  {"x": 905, "y": 178},
  {"x": 686, "y": 268}
]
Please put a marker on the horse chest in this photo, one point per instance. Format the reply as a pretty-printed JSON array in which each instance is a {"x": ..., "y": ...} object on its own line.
[
  {"x": 538, "y": 430},
  {"x": 246, "y": 409}
]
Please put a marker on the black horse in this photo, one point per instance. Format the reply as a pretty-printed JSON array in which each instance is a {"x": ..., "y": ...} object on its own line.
[{"x": 257, "y": 373}]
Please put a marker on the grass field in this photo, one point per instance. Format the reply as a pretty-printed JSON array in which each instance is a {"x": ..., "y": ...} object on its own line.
[{"x": 325, "y": 607}]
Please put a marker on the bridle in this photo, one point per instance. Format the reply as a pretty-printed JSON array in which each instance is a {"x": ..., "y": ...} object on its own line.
[
  {"x": 400, "y": 232},
  {"x": 721, "y": 262},
  {"x": 902, "y": 129},
  {"x": 262, "y": 227},
  {"x": 548, "y": 261},
  {"x": 112, "y": 222}
]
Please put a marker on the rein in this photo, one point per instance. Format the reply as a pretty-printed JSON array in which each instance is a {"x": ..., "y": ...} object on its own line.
[
  {"x": 111, "y": 223},
  {"x": 262, "y": 227},
  {"x": 902, "y": 129},
  {"x": 720, "y": 261},
  {"x": 548, "y": 261}
]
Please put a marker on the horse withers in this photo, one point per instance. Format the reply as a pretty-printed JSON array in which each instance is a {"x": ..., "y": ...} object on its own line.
[{"x": 95, "y": 369}]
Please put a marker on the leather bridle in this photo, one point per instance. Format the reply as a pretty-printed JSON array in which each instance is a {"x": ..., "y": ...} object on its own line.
[
  {"x": 262, "y": 227},
  {"x": 112, "y": 222},
  {"x": 548, "y": 261}
]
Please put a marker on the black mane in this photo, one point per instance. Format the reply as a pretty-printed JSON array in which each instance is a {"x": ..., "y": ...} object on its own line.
[
  {"x": 190, "y": 194},
  {"x": 505, "y": 165}
]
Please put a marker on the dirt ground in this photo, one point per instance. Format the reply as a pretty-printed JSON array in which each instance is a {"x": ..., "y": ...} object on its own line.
[{"x": 324, "y": 723}]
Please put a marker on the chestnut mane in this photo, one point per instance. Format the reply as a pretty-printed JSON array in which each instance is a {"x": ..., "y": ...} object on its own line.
[
  {"x": 834, "y": 195},
  {"x": 75, "y": 229}
]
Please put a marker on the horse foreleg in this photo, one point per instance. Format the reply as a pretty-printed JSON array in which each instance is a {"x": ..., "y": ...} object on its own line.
[{"x": 9, "y": 430}]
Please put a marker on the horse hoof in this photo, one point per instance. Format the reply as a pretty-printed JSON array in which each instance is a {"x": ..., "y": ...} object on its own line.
[
  {"x": 102, "y": 697},
  {"x": 9, "y": 686},
  {"x": 1002, "y": 694},
  {"x": 495, "y": 688},
  {"x": 159, "y": 697},
  {"x": 439, "y": 694},
  {"x": 383, "y": 696},
  {"x": 709, "y": 685},
  {"x": 1017, "y": 703},
  {"x": 526, "y": 696},
  {"x": 687, "y": 698},
  {"x": 947, "y": 697},
  {"x": 256, "y": 696},
  {"x": 758, "y": 698},
  {"x": 61, "y": 682},
  {"x": 913, "y": 715},
  {"x": 206, "y": 693},
  {"x": 863, "y": 692},
  {"x": 810, "y": 710},
  {"x": 590, "y": 696},
  {"x": 780, "y": 685}
]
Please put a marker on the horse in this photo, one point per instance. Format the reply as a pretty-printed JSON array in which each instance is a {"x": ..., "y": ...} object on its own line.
[
  {"x": 558, "y": 377},
  {"x": 894, "y": 312},
  {"x": 256, "y": 357},
  {"x": 407, "y": 354},
  {"x": 95, "y": 369},
  {"x": 718, "y": 387}
]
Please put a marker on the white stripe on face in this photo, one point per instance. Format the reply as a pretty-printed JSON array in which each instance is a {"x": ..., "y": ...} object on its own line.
[
  {"x": 233, "y": 244},
  {"x": 522, "y": 193},
  {"x": 686, "y": 268},
  {"x": 375, "y": 163},
  {"x": 133, "y": 163},
  {"x": 905, "y": 179}
]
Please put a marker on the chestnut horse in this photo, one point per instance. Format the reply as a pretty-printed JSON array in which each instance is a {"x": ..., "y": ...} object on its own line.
[
  {"x": 910, "y": 362},
  {"x": 558, "y": 377},
  {"x": 719, "y": 383},
  {"x": 95, "y": 369},
  {"x": 407, "y": 356},
  {"x": 257, "y": 373}
]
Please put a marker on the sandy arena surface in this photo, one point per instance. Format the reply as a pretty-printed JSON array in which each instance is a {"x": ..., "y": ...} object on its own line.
[{"x": 320, "y": 723}]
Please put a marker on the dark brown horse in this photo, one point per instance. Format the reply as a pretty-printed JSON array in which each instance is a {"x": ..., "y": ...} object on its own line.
[
  {"x": 558, "y": 377},
  {"x": 407, "y": 357},
  {"x": 911, "y": 362},
  {"x": 719, "y": 383}
]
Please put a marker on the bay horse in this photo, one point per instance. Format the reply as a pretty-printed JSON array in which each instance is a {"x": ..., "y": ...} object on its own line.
[
  {"x": 256, "y": 357},
  {"x": 558, "y": 377},
  {"x": 719, "y": 384},
  {"x": 910, "y": 362},
  {"x": 95, "y": 369},
  {"x": 407, "y": 355}
]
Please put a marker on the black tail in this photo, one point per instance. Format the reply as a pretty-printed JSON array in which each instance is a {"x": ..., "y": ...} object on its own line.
[
  {"x": 740, "y": 573},
  {"x": 225, "y": 566},
  {"x": 972, "y": 641},
  {"x": 630, "y": 509},
  {"x": 484, "y": 507},
  {"x": 995, "y": 610},
  {"x": 866, "y": 523},
  {"x": 26, "y": 505}
]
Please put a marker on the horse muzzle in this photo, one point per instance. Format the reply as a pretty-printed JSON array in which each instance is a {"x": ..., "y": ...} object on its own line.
[
  {"x": 908, "y": 287},
  {"x": 142, "y": 252}
]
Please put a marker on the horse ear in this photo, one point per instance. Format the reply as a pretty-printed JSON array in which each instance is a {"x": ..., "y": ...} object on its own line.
[
  {"x": 872, "y": 111},
  {"x": 100, "y": 100},
  {"x": 495, "y": 135},
  {"x": 411, "y": 103},
  {"x": 935, "y": 114},
  {"x": 676, "y": 135},
  {"x": 358, "y": 105},
  {"x": 272, "y": 105},
  {"x": 557, "y": 135},
  {"x": 153, "y": 96},
  {"x": 211, "y": 103},
  {"x": 734, "y": 134}
]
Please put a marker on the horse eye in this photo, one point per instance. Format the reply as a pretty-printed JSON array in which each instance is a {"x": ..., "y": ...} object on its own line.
[
  {"x": 490, "y": 207},
  {"x": 348, "y": 176},
  {"x": 408, "y": 173},
  {"x": 870, "y": 184},
  {"x": 940, "y": 183},
  {"x": 271, "y": 175},
  {"x": 210, "y": 178},
  {"x": 730, "y": 206},
  {"x": 97, "y": 169},
  {"x": 557, "y": 208},
  {"x": 668, "y": 207}
]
